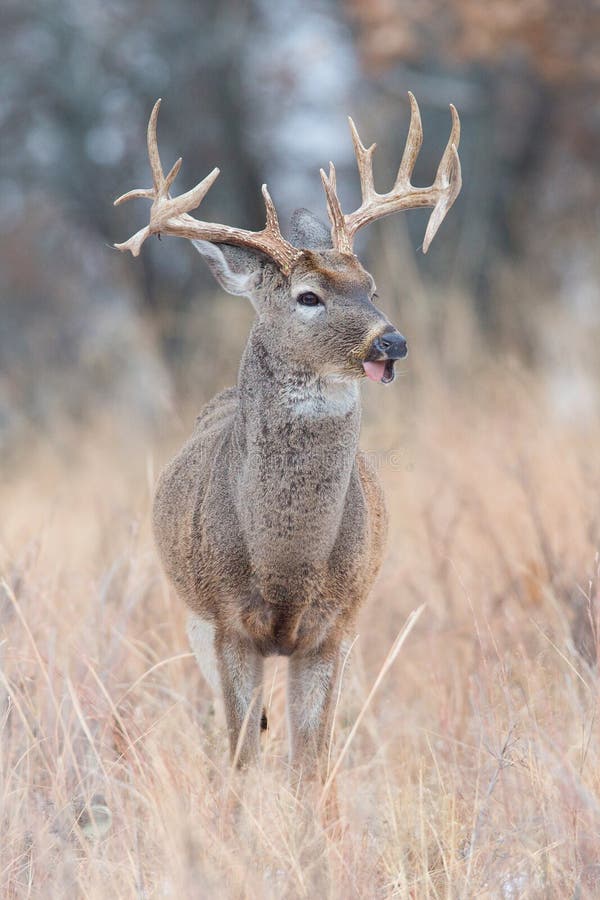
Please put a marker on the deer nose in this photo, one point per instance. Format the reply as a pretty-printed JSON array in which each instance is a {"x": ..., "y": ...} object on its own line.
[{"x": 391, "y": 344}]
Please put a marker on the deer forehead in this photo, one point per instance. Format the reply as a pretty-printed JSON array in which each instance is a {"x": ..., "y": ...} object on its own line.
[{"x": 332, "y": 272}]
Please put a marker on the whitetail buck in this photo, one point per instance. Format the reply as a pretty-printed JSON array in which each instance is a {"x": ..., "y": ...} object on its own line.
[{"x": 270, "y": 522}]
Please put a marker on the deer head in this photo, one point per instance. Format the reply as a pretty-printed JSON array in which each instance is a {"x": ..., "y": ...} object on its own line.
[{"x": 313, "y": 298}]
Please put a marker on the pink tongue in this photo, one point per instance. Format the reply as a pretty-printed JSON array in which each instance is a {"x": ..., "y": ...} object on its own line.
[{"x": 374, "y": 370}]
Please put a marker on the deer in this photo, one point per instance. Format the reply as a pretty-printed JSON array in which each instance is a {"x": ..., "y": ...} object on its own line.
[{"x": 270, "y": 522}]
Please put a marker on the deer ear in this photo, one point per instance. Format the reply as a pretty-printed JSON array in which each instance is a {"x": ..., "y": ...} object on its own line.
[
  {"x": 237, "y": 269},
  {"x": 307, "y": 232}
]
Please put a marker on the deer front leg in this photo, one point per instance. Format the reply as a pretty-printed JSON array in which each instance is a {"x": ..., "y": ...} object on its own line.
[
  {"x": 241, "y": 672},
  {"x": 312, "y": 680},
  {"x": 201, "y": 635}
]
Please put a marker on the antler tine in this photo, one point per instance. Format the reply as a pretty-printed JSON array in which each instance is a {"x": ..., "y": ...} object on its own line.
[
  {"x": 161, "y": 185},
  {"x": 413, "y": 145},
  {"x": 448, "y": 180},
  {"x": 170, "y": 215},
  {"x": 451, "y": 152},
  {"x": 158, "y": 178},
  {"x": 404, "y": 195},
  {"x": 446, "y": 200},
  {"x": 134, "y": 243},
  {"x": 341, "y": 238},
  {"x": 272, "y": 219},
  {"x": 173, "y": 173},
  {"x": 364, "y": 161},
  {"x": 194, "y": 197},
  {"x": 136, "y": 194}
]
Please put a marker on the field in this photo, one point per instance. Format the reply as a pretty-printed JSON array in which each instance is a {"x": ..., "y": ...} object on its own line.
[{"x": 474, "y": 768}]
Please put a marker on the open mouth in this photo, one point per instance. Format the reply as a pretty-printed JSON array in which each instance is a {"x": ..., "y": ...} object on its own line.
[{"x": 382, "y": 370}]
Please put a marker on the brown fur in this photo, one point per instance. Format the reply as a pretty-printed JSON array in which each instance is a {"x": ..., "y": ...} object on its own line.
[{"x": 270, "y": 522}]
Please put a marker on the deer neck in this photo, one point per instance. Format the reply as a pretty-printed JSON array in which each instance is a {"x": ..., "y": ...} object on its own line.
[
  {"x": 279, "y": 399},
  {"x": 296, "y": 438}
]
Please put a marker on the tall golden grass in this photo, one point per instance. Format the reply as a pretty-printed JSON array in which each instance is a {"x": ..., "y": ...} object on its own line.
[{"x": 472, "y": 771}]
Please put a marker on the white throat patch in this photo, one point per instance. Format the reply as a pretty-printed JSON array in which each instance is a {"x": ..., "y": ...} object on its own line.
[{"x": 323, "y": 398}]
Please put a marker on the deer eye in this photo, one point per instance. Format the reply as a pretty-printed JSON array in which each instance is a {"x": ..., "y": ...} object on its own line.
[{"x": 308, "y": 298}]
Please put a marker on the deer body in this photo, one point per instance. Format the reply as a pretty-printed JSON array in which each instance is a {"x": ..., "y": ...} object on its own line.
[
  {"x": 265, "y": 538},
  {"x": 270, "y": 523}
]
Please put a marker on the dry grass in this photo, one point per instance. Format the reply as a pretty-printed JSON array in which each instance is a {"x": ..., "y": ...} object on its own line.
[{"x": 475, "y": 769}]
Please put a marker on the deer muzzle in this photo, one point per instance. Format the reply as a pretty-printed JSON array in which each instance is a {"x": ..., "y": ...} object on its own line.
[{"x": 384, "y": 351}]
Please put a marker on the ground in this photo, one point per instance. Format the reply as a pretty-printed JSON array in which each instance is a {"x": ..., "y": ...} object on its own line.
[{"x": 474, "y": 770}]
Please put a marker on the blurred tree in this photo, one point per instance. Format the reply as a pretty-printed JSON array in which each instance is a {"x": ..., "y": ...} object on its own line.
[
  {"x": 79, "y": 79},
  {"x": 559, "y": 40},
  {"x": 528, "y": 72},
  {"x": 262, "y": 90}
]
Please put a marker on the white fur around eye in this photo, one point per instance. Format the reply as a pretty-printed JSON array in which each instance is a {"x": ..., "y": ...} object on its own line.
[
  {"x": 306, "y": 312},
  {"x": 309, "y": 312}
]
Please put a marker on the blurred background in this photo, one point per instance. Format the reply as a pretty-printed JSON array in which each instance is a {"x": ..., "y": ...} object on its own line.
[
  {"x": 475, "y": 771},
  {"x": 262, "y": 90}
]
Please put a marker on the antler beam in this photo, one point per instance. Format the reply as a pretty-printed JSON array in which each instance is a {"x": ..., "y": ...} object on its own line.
[
  {"x": 170, "y": 215},
  {"x": 404, "y": 195}
]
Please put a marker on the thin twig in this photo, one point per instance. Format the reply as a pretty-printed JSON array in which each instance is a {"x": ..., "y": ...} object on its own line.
[{"x": 387, "y": 663}]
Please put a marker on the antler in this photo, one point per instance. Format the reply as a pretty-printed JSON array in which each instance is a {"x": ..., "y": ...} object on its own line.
[
  {"x": 169, "y": 215},
  {"x": 441, "y": 195}
]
